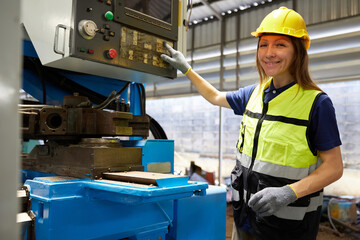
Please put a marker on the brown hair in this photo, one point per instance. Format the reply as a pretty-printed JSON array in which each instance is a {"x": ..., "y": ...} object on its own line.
[{"x": 299, "y": 68}]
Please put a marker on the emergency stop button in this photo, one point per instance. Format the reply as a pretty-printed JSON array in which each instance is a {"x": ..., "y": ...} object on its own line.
[{"x": 111, "y": 53}]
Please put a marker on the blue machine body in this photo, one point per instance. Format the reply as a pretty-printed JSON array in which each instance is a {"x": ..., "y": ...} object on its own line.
[
  {"x": 154, "y": 151},
  {"x": 71, "y": 208},
  {"x": 92, "y": 209},
  {"x": 200, "y": 217}
]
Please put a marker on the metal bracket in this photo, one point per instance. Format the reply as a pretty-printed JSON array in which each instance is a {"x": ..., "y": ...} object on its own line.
[
  {"x": 27, "y": 218},
  {"x": 56, "y": 41},
  {"x": 165, "y": 214}
]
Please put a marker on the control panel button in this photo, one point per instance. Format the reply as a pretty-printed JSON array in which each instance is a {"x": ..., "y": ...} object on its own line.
[
  {"x": 107, "y": 38},
  {"x": 108, "y": 2},
  {"x": 111, "y": 53},
  {"x": 109, "y": 15},
  {"x": 87, "y": 29},
  {"x": 112, "y": 34}
]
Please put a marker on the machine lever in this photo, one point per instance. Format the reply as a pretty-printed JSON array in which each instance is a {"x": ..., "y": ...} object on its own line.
[{"x": 56, "y": 41}]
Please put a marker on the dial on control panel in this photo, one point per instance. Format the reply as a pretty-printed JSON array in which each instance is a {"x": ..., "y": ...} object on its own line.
[{"x": 87, "y": 29}]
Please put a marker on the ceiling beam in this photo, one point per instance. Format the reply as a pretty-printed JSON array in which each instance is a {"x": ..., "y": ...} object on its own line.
[
  {"x": 198, "y": 4},
  {"x": 206, "y": 3}
]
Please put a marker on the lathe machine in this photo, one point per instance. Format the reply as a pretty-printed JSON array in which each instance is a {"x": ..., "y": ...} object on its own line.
[{"x": 89, "y": 170}]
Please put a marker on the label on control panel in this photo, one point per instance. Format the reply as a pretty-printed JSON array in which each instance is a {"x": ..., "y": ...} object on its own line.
[{"x": 142, "y": 47}]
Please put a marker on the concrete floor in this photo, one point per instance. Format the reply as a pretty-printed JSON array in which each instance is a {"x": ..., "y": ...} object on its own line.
[{"x": 229, "y": 221}]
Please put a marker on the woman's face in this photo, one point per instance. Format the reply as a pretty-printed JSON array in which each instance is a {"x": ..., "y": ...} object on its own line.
[{"x": 276, "y": 54}]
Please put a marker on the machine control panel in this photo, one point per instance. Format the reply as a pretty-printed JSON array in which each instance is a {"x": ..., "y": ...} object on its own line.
[
  {"x": 142, "y": 48},
  {"x": 97, "y": 37}
]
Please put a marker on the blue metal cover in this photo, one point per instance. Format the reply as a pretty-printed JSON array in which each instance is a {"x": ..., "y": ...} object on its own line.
[
  {"x": 70, "y": 208},
  {"x": 49, "y": 189}
]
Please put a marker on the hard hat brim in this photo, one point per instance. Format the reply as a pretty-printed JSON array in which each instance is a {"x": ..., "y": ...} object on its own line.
[{"x": 307, "y": 40}]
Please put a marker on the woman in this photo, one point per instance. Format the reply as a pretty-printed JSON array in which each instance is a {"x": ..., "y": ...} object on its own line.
[{"x": 289, "y": 144}]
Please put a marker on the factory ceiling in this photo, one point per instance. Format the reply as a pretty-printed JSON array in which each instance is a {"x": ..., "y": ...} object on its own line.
[{"x": 205, "y": 10}]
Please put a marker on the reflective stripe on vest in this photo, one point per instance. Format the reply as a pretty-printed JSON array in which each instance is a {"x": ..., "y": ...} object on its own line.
[{"x": 276, "y": 170}]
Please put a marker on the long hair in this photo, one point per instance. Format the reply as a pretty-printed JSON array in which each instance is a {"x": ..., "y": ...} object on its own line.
[{"x": 299, "y": 67}]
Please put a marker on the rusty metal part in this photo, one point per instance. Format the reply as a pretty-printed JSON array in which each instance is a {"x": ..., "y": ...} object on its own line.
[
  {"x": 114, "y": 123},
  {"x": 74, "y": 143},
  {"x": 125, "y": 183},
  {"x": 53, "y": 121},
  {"x": 76, "y": 101},
  {"x": 81, "y": 122},
  {"x": 78, "y": 119},
  {"x": 140, "y": 125},
  {"x": 149, "y": 178},
  {"x": 57, "y": 178},
  {"x": 83, "y": 160},
  {"x": 30, "y": 119}
]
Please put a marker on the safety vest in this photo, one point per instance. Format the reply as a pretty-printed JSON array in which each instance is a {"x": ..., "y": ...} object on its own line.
[{"x": 274, "y": 148}]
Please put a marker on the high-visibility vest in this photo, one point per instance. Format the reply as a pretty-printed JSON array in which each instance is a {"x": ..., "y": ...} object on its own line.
[{"x": 274, "y": 146}]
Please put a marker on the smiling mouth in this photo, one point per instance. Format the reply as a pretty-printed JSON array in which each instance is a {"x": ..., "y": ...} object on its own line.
[{"x": 271, "y": 63}]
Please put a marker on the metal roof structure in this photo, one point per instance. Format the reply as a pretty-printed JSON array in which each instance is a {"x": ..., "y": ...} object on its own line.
[{"x": 204, "y": 10}]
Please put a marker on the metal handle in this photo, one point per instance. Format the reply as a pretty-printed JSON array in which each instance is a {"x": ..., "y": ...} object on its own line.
[{"x": 56, "y": 42}]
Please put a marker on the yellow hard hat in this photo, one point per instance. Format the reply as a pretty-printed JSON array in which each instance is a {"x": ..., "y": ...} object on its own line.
[{"x": 284, "y": 21}]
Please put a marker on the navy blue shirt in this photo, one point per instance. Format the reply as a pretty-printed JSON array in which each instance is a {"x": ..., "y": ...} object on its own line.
[{"x": 324, "y": 132}]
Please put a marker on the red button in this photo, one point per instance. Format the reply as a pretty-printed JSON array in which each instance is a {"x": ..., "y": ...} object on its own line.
[
  {"x": 112, "y": 53},
  {"x": 91, "y": 51}
]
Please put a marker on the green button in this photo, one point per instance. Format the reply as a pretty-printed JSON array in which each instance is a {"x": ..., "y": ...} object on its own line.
[
  {"x": 109, "y": 15},
  {"x": 82, "y": 49}
]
